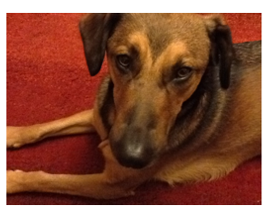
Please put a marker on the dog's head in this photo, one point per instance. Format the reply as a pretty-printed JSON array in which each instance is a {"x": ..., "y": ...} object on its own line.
[{"x": 156, "y": 62}]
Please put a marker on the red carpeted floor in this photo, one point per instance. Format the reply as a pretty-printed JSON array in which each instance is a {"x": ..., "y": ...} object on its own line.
[{"x": 47, "y": 78}]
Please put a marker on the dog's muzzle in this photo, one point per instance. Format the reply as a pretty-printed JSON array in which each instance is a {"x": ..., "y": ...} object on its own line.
[{"x": 134, "y": 149}]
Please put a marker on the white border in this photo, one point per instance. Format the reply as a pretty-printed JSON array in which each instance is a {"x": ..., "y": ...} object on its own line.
[{"x": 84, "y": 6}]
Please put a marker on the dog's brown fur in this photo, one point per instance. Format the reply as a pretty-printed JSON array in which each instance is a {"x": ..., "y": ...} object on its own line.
[{"x": 181, "y": 104}]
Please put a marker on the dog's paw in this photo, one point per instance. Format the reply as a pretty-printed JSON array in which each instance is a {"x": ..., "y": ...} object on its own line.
[
  {"x": 15, "y": 137},
  {"x": 103, "y": 144},
  {"x": 14, "y": 181},
  {"x": 19, "y": 136}
]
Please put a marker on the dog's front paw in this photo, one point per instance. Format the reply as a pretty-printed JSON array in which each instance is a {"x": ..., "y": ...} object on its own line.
[
  {"x": 14, "y": 181},
  {"x": 19, "y": 136}
]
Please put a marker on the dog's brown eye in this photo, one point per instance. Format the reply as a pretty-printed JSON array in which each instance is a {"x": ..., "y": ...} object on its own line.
[
  {"x": 183, "y": 73},
  {"x": 123, "y": 60}
]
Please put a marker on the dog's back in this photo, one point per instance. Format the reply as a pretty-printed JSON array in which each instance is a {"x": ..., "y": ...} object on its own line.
[{"x": 248, "y": 54}]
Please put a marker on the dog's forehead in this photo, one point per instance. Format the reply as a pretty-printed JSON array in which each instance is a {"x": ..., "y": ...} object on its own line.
[{"x": 163, "y": 29}]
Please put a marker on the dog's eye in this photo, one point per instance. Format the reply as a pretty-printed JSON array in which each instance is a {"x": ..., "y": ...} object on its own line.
[
  {"x": 183, "y": 73},
  {"x": 123, "y": 61}
]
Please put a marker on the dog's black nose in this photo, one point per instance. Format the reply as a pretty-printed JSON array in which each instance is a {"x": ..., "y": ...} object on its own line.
[
  {"x": 134, "y": 158},
  {"x": 134, "y": 150}
]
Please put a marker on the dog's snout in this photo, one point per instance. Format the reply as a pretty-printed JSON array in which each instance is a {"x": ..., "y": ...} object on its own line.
[
  {"x": 136, "y": 157},
  {"x": 134, "y": 149}
]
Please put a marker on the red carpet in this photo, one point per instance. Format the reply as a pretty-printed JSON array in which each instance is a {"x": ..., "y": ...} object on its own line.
[{"x": 47, "y": 78}]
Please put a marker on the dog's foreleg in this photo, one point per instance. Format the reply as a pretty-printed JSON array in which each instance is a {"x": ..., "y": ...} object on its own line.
[
  {"x": 79, "y": 123},
  {"x": 93, "y": 185},
  {"x": 116, "y": 181}
]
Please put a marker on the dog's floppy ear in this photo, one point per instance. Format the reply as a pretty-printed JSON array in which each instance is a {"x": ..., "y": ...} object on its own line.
[
  {"x": 221, "y": 47},
  {"x": 95, "y": 30}
]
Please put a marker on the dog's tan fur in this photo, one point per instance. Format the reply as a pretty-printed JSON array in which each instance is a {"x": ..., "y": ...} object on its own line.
[{"x": 146, "y": 110}]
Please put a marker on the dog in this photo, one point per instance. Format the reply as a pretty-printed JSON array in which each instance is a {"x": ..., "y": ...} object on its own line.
[{"x": 181, "y": 103}]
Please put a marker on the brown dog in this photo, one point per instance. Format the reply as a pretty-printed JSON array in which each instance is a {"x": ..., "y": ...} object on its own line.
[{"x": 175, "y": 106}]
